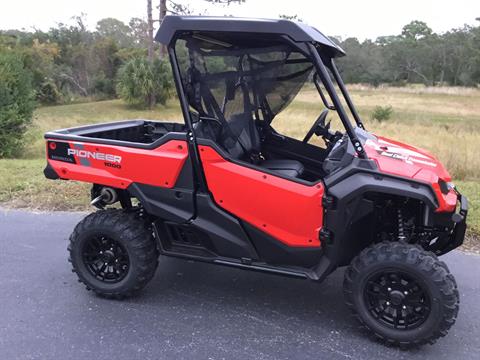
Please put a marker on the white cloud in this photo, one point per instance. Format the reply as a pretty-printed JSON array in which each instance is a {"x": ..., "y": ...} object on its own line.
[{"x": 363, "y": 19}]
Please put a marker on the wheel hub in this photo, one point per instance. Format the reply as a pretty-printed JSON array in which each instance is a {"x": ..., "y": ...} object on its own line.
[
  {"x": 396, "y": 299},
  {"x": 106, "y": 259},
  {"x": 108, "y": 256}
]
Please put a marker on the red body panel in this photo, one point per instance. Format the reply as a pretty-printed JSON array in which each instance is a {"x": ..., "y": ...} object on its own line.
[
  {"x": 400, "y": 159},
  {"x": 288, "y": 211},
  {"x": 157, "y": 167}
]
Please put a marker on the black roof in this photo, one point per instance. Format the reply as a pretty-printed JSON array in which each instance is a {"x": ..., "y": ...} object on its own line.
[{"x": 296, "y": 31}]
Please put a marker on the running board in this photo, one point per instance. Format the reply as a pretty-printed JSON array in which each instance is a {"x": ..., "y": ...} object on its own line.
[
  {"x": 285, "y": 271},
  {"x": 318, "y": 273},
  {"x": 270, "y": 269}
]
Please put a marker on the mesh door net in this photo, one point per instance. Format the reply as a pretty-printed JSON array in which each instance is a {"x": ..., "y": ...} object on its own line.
[{"x": 223, "y": 79}]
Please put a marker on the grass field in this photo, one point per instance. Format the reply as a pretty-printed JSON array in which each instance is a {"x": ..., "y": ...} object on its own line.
[{"x": 444, "y": 121}]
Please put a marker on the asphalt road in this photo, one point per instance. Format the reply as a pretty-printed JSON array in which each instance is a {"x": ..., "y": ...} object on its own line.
[{"x": 190, "y": 310}]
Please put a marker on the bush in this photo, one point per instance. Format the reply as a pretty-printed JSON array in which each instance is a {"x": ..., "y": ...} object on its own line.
[
  {"x": 16, "y": 104},
  {"x": 143, "y": 84},
  {"x": 103, "y": 87},
  {"x": 382, "y": 113},
  {"x": 48, "y": 93}
]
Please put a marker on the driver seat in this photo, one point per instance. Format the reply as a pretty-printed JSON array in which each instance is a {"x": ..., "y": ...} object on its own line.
[
  {"x": 238, "y": 134},
  {"x": 285, "y": 167},
  {"x": 242, "y": 141}
]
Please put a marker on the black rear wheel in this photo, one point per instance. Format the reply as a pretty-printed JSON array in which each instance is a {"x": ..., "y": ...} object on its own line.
[
  {"x": 401, "y": 294},
  {"x": 113, "y": 253},
  {"x": 105, "y": 258}
]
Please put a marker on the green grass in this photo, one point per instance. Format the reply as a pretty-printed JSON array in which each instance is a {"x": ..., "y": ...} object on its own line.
[
  {"x": 58, "y": 117},
  {"x": 22, "y": 185},
  {"x": 447, "y": 124}
]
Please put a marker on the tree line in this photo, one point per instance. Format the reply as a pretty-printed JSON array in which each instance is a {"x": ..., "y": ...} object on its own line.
[
  {"x": 71, "y": 61},
  {"x": 417, "y": 55}
]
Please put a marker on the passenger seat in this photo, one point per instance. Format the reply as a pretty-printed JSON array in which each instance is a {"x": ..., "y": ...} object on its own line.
[{"x": 242, "y": 142}]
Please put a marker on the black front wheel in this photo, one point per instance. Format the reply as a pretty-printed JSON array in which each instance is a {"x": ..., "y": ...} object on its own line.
[
  {"x": 113, "y": 253},
  {"x": 401, "y": 293}
]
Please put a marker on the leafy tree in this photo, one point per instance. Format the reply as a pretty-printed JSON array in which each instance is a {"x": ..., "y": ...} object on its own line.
[
  {"x": 71, "y": 61},
  {"x": 139, "y": 80},
  {"x": 16, "y": 103},
  {"x": 48, "y": 93},
  {"x": 40, "y": 59},
  {"x": 416, "y": 30},
  {"x": 139, "y": 32},
  {"x": 104, "y": 64},
  {"x": 116, "y": 30},
  {"x": 417, "y": 55}
]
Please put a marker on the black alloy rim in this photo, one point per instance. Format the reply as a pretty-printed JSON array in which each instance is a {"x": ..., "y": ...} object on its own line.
[
  {"x": 105, "y": 259},
  {"x": 397, "y": 300}
]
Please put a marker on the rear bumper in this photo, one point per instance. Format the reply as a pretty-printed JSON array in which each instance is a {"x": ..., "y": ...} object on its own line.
[{"x": 50, "y": 172}]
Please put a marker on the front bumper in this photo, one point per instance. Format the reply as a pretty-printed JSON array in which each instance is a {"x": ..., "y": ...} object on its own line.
[{"x": 458, "y": 221}]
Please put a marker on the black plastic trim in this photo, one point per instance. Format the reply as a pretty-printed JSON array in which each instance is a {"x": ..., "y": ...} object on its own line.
[
  {"x": 351, "y": 205},
  {"x": 368, "y": 167},
  {"x": 225, "y": 231},
  {"x": 362, "y": 182},
  {"x": 274, "y": 252},
  {"x": 169, "y": 204},
  {"x": 459, "y": 220},
  {"x": 50, "y": 172}
]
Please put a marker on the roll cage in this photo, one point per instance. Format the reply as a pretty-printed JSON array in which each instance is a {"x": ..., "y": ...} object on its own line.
[{"x": 226, "y": 32}]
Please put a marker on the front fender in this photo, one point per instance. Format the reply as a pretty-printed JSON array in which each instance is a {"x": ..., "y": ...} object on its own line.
[{"x": 350, "y": 205}]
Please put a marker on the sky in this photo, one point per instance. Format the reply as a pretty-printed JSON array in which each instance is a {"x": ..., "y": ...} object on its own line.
[{"x": 346, "y": 18}]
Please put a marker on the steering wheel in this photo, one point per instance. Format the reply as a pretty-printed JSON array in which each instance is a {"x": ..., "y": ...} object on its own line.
[{"x": 318, "y": 127}]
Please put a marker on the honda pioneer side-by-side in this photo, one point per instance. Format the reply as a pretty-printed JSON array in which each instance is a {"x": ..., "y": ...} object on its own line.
[{"x": 225, "y": 187}]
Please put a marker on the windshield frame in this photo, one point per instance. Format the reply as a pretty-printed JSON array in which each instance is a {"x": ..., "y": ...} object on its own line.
[
  {"x": 321, "y": 58},
  {"x": 322, "y": 62}
]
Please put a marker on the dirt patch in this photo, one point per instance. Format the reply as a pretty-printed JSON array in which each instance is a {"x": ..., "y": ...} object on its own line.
[{"x": 471, "y": 244}]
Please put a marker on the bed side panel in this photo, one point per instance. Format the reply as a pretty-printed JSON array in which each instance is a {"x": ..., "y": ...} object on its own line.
[{"x": 117, "y": 166}]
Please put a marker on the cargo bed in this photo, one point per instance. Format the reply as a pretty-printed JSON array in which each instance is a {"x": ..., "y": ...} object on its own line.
[{"x": 145, "y": 134}]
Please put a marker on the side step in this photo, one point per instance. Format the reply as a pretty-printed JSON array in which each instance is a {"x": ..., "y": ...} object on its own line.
[
  {"x": 246, "y": 265},
  {"x": 300, "y": 273},
  {"x": 180, "y": 242}
]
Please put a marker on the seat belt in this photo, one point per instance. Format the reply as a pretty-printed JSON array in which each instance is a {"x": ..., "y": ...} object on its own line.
[
  {"x": 255, "y": 155},
  {"x": 212, "y": 103}
]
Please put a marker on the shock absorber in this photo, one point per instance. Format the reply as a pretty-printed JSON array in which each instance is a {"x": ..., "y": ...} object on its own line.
[{"x": 401, "y": 226}]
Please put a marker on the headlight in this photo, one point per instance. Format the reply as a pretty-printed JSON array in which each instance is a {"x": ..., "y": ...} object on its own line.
[{"x": 445, "y": 187}]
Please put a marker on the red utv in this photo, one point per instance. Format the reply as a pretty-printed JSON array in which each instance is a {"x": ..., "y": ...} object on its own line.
[{"x": 226, "y": 188}]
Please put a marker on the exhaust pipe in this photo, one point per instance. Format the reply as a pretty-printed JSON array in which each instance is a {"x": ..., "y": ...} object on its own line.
[{"x": 108, "y": 196}]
